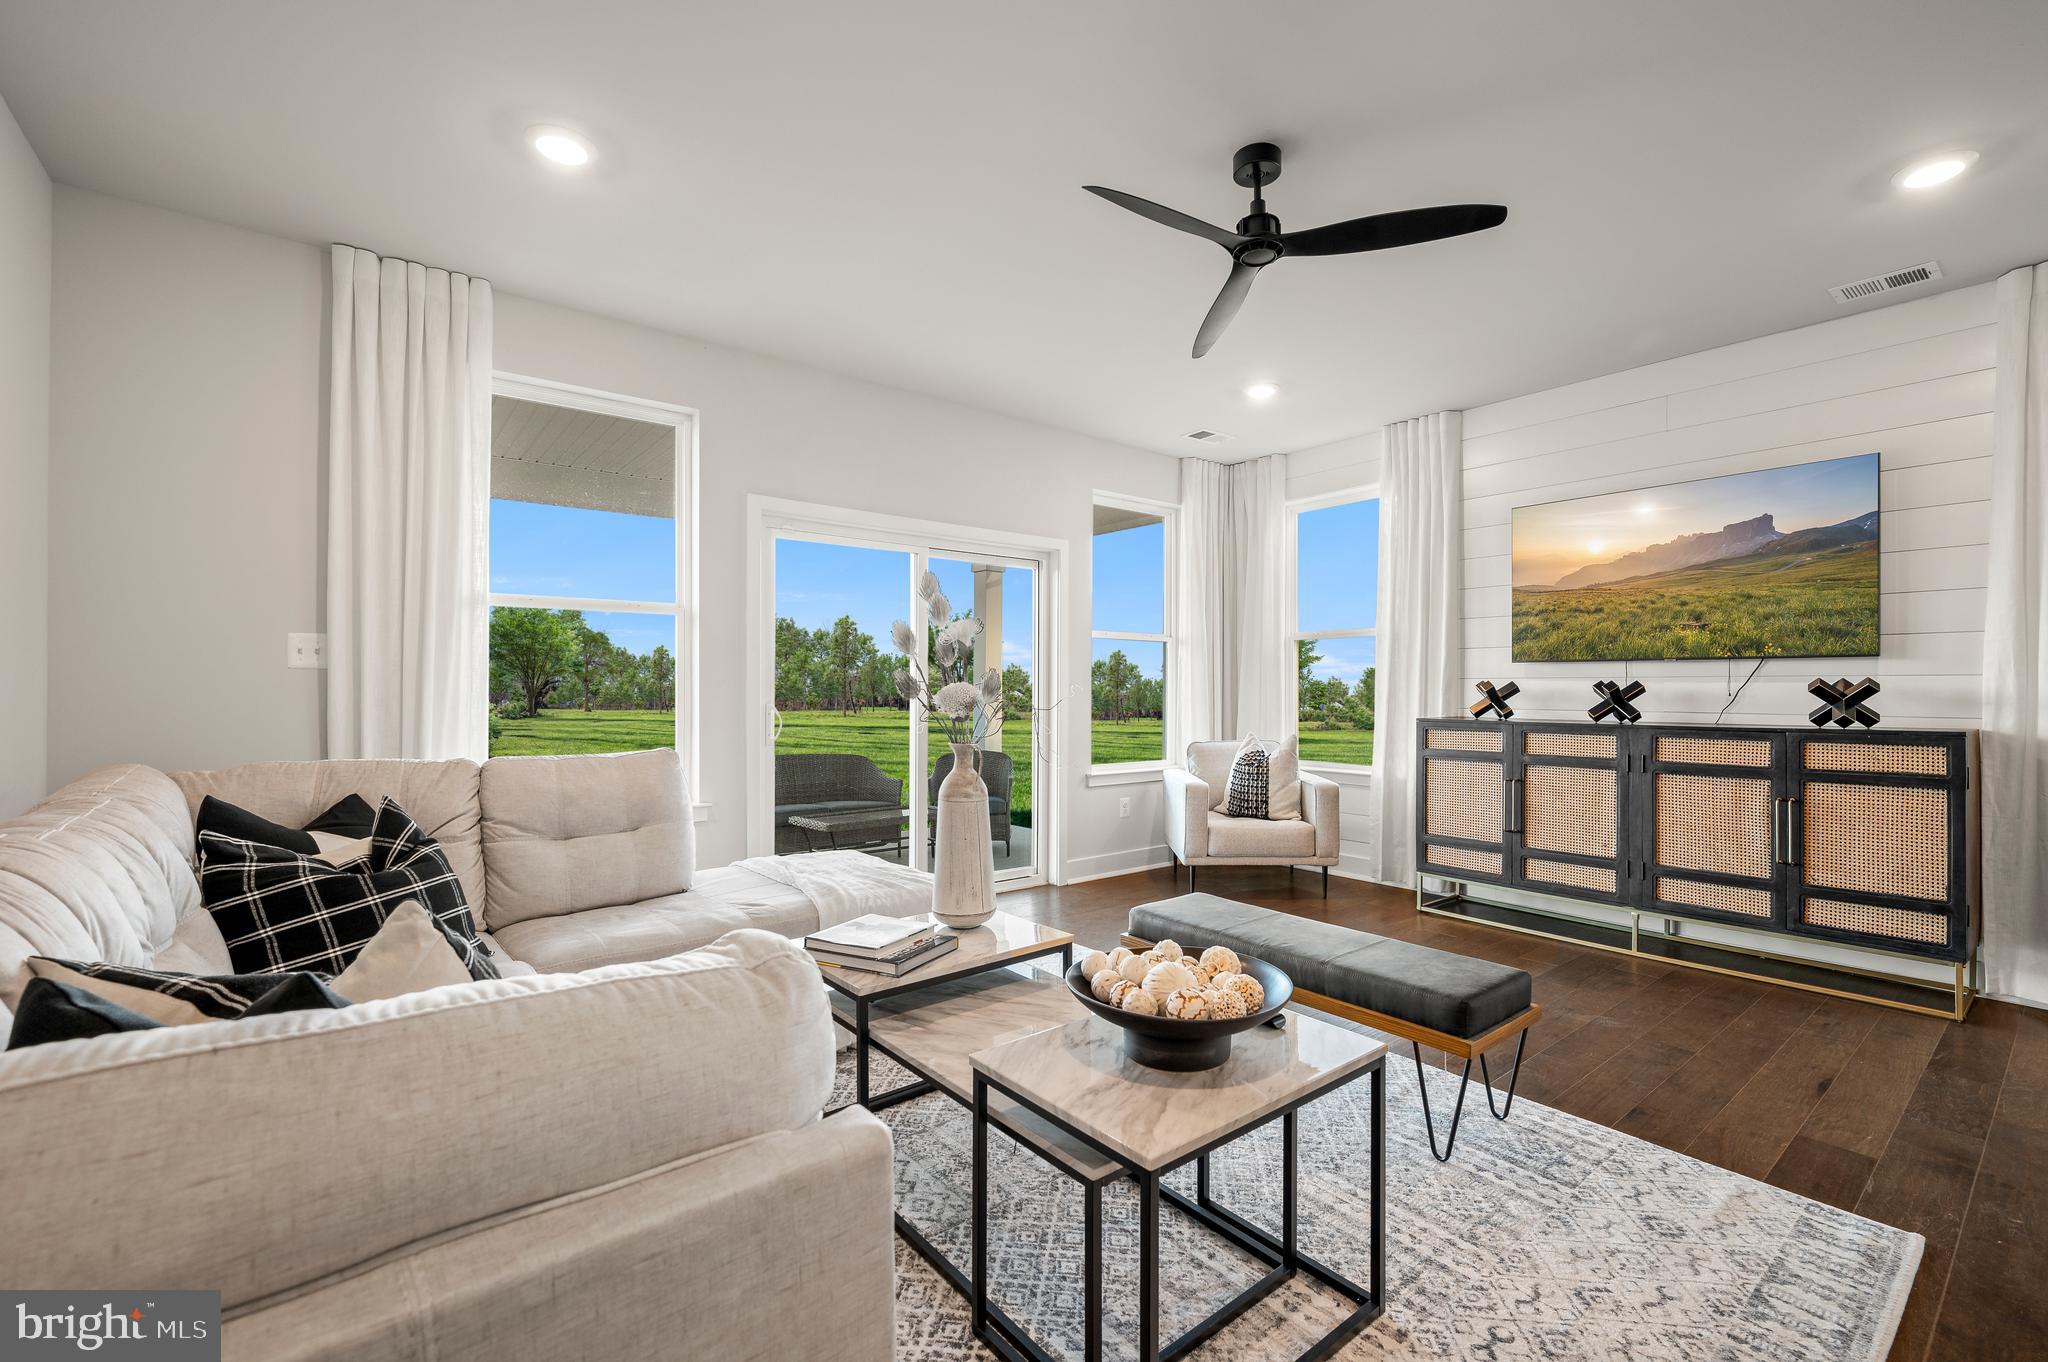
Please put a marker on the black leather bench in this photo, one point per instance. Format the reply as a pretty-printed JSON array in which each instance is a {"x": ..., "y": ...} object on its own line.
[{"x": 1461, "y": 1006}]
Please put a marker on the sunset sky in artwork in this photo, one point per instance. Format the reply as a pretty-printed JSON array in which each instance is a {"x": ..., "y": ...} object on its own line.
[{"x": 1561, "y": 537}]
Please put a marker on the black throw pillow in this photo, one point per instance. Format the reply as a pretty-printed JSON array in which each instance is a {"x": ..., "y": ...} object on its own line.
[
  {"x": 279, "y": 910},
  {"x": 350, "y": 819},
  {"x": 52, "y": 1011}
]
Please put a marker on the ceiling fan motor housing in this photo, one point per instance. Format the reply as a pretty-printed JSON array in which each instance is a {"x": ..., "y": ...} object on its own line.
[{"x": 1255, "y": 165}]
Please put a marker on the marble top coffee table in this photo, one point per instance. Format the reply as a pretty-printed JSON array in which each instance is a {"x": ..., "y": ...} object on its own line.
[
  {"x": 1003, "y": 941},
  {"x": 1145, "y": 1123}
]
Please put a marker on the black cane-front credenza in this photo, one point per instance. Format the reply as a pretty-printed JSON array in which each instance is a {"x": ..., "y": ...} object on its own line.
[{"x": 1864, "y": 839}]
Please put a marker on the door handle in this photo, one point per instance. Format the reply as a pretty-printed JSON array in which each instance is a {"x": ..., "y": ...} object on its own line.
[{"x": 1795, "y": 818}]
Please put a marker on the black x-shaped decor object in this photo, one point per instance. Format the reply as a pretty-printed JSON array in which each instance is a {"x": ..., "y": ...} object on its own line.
[
  {"x": 1843, "y": 702},
  {"x": 1615, "y": 700},
  {"x": 1494, "y": 699}
]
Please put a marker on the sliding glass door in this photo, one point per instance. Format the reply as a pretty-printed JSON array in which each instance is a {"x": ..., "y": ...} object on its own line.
[{"x": 853, "y": 765}]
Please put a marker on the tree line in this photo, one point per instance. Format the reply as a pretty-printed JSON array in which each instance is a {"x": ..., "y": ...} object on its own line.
[
  {"x": 1120, "y": 691},
  {"x": 842, "y": 667},
  {"x": 544, "y": 659},
  {"x": 1326, "y": 701}
]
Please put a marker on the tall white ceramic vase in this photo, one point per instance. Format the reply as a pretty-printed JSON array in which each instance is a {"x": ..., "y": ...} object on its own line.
[{"x": 964, "y": 867}]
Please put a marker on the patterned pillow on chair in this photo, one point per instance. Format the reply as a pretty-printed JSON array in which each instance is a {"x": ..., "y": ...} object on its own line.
[{"x": 1251, "y": 774}]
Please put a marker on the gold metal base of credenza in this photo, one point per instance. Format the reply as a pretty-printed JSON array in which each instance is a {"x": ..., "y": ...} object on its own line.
[{"x": 1951, "y": 1002}]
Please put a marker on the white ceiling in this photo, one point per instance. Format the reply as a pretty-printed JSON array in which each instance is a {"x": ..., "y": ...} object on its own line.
[{"x": 893, "y": 190}]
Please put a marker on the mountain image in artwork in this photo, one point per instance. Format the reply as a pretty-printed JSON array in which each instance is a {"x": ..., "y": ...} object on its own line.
[{"x": 1781, "y": 562}]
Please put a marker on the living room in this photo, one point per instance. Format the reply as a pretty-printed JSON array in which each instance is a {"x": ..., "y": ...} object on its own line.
[{"x": 518, "y": 523}]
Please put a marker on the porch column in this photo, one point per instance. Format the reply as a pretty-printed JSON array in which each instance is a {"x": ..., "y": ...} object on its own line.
[{"x": 988, "y": 646}]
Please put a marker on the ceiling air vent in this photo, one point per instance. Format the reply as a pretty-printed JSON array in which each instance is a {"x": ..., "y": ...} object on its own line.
[
  {"x": 1209, "y": 437},
  {"x": 1885, "y": 283}
]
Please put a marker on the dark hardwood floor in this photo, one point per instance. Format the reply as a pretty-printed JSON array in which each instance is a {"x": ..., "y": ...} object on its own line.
[{"x": 1936, "y": 1127}]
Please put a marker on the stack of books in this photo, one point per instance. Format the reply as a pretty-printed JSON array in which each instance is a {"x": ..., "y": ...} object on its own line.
[{"x": 881, "y": 945}]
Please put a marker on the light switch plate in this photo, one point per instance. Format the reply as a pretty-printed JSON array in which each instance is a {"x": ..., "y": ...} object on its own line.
[{"x": 305, "y": 650}]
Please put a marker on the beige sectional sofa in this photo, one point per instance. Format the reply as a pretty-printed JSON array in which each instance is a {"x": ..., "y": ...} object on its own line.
[{"x": 616, "y": 1151}]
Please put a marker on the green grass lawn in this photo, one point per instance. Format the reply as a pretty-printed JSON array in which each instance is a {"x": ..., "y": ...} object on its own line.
[
  {"x": 877, "y": 734},
  {"x": 560, "y": 732}
]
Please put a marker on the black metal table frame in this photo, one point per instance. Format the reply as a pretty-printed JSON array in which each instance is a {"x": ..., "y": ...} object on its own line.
[
  {"x": 1282, "y": 1256},
  {"x": 863, "y": 1040}
]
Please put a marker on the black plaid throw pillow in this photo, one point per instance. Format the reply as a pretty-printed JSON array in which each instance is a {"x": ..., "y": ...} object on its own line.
[
  {"x": 280, "y": 910},
  {"x": 1249, "y": 794}
]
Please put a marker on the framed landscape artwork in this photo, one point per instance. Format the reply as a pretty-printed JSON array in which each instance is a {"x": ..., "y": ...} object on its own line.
[{"x": 1776, "y": 563}]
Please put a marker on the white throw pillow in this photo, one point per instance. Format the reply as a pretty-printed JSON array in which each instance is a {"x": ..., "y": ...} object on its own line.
[
  {"x": 408, "y": 954},
  {"x": 1283, "y": 776}
]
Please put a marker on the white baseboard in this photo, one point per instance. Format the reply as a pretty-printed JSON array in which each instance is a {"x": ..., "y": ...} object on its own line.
[{"x": 1083, "y": 868}]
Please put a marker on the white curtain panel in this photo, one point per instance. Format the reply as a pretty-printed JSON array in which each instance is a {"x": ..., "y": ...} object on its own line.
[
  {"x": 1203, "y": 587},
  {"x": 1421, "y": 521},
  {"x": 2015, "y": 733},
  {"x": 1231, "y": 632},
  {"x": 408, "y": 487},
  {"x": 1265, "y": 632}
]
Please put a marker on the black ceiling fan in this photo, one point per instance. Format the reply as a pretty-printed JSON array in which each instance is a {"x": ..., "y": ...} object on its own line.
[{"x": 1258, "y": 240}]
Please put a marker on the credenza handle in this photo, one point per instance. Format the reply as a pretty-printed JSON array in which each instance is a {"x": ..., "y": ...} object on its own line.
[{"x": 1795, "y": 819}]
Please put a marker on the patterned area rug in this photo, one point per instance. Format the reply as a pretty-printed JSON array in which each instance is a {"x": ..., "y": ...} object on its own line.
[{"x": 1546, "y": 1238}]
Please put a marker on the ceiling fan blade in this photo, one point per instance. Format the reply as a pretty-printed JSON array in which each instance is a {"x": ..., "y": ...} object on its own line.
[
  {"x": 1383, "y": 230},
  {"x": 1169, "y": 217},
  {"x": 1226, "y": 305}
]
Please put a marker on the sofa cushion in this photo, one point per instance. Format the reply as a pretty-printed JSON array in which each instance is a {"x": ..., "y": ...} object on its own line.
[
  {"x": 650, "y": 930},
  {"x": 1260, "y": 836},
  {"x": 100, "y": 870},
  {"x": 355, "y": 1133},
  {"x": 441, "y": 796},
  {"x": 283, "y": 911},
  {"x": 566, "y": 834}
]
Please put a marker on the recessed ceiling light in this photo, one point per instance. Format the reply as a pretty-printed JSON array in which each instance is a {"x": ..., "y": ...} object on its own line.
[
  {"x": 1262, "y": 392},
  {"x": 1935, "y": 170},
  {"x": 559, "y": 145}
]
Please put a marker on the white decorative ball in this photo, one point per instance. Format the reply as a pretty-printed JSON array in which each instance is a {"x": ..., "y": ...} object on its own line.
[
  {"x": 1187, "y": 1004},
  {"x": 1093, "y": 963},
  {"x": 1119, "y": 954},
  {"x": 1135, "y": 969},
  {"x": 1166, "y": 976},
  {"x": 1102, "y": 981},
  {"x": 1245, "y": 987},
  {"x": 1120, "y": 990},
  {"x": 1140, "y": 1002},
  {"x": 1224, "y": 1004},
  {"x": 1169, "y": 949},
  {"x": 1221, "y": 960},
  {"x": 1195, "y": 967}
]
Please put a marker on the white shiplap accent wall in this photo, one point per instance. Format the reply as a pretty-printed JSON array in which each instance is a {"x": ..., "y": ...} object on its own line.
[{"x": 1912, "y": 382}]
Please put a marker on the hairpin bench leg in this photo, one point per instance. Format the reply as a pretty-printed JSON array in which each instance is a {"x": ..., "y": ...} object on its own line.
[
  {"x": 1514, "y": 1076},
  {"x": 1500, "y": 1112}
]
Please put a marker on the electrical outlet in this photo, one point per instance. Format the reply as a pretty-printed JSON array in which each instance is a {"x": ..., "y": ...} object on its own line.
[
  {"x": 1123, "y": 806},
  {"x": 305, "y": 650}
]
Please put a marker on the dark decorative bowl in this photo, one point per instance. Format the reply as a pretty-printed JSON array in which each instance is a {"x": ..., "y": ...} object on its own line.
[{"x": 1187, "y": 1046}]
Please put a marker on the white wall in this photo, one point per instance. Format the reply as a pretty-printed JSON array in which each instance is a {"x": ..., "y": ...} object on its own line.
[
  {"x": 24, "y": 466},
  {"x": 187, "y": 508},
  {"x": 185, "y": 526},
  {"x": 1911, "y": 382}
]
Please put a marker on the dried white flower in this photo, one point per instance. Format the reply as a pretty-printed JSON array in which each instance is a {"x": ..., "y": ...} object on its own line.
[
  {"x": 905, "y": 641},
  {"x": 991, "y": 684},
  {"x": 957, "y": 700},
  {"x": 962, "y": 630},
  {"x": 928, "y": 585},
  {"x": 949, "y": 651},
  {"x": 905, "y": 686},
  {"x": 941, "y": 610}
]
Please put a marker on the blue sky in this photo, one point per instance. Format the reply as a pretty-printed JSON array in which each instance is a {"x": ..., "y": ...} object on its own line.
[
  {"x": 817, "y": 583},
  {"x": 570, "y": 551},
  {"x": 1338, "y": 583}
]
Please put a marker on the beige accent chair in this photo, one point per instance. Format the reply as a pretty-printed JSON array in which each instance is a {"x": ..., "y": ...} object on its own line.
[
  {"x": 623, "y": 1162},
  {"x": 1199, "y": 833}
]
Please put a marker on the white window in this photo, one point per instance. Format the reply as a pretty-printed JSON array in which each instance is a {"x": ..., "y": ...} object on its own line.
[
  {"x": 1336, "y": 603},
  {"x": 1130, "y": 608},
  {"x": 592, "y": 640}
]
